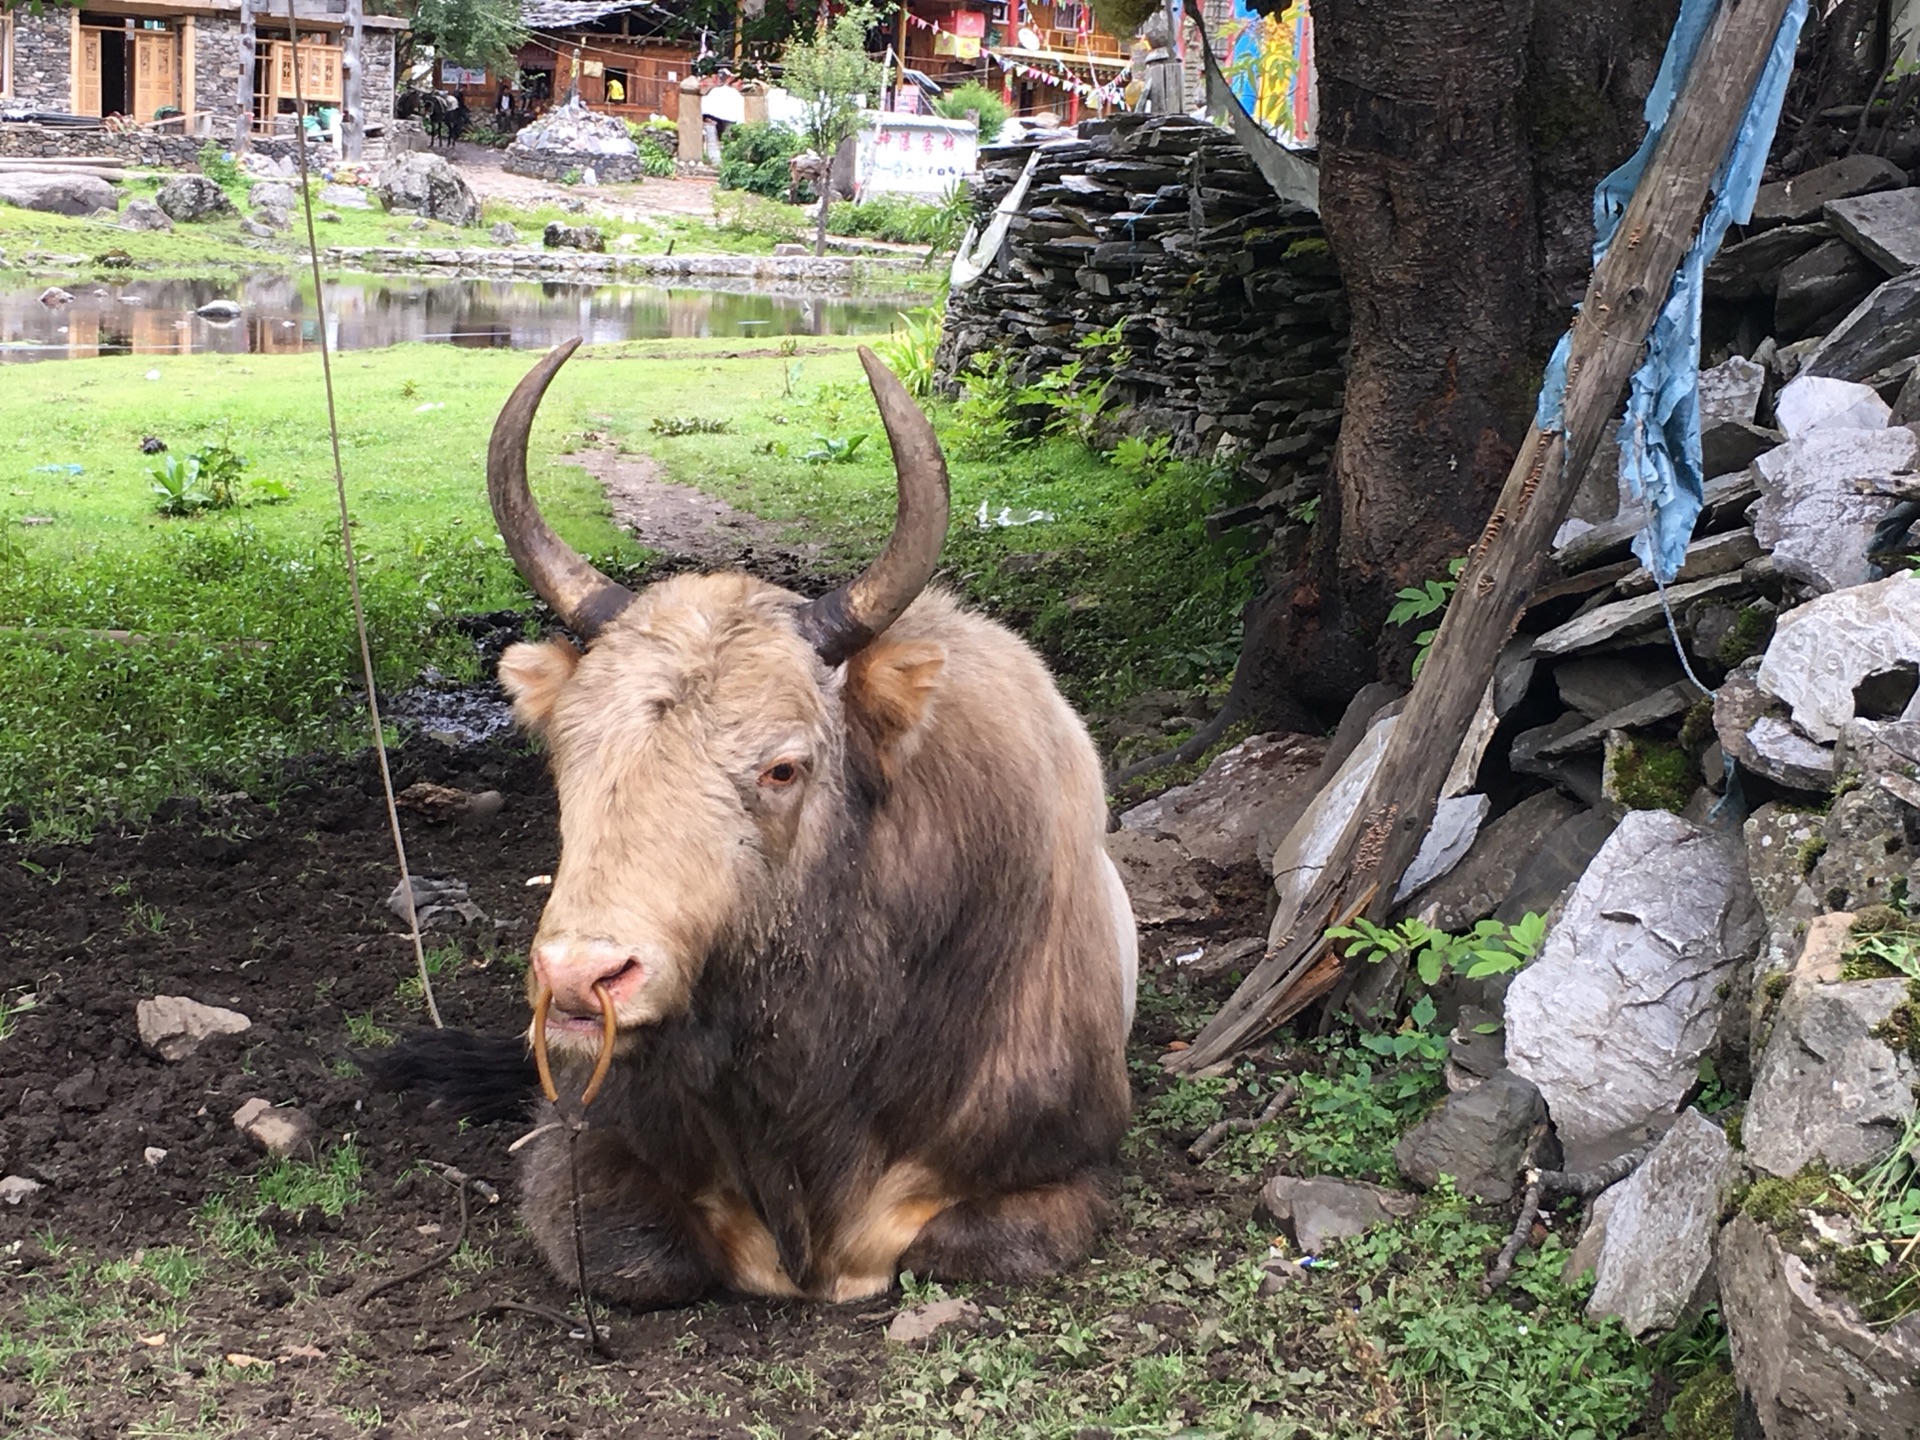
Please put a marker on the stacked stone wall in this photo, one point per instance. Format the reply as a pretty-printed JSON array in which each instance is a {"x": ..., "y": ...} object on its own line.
[
  {"x": 143, "y": 147},
  {"x": 1232, "y": 315},
  {"x": 42, "y": 59}
]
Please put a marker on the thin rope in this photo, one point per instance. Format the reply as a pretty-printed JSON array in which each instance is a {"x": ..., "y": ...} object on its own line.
[{"x": 346, "y": 536}]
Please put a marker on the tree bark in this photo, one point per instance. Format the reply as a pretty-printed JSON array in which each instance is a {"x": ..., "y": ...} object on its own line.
[{"x": 1427, "y": 198}]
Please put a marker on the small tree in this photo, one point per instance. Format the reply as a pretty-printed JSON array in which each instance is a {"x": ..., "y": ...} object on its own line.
[{"x": 831, "y": 76}]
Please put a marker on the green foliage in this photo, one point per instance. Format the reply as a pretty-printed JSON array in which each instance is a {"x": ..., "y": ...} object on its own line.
[
  {"x": 1417, "y": 602},
  {"x": 1354, "y": 1108},
  {"x": 1490, "y": 948},
  {"x": 328, "y": 1184},
  {"x": 572, "y": 175},
  {"x": 219, "y": 166},
  {"x": 754, "y": 156},
  {"x": 1647, "y": 774},
  {"x": 984, "y": 103},
  {"x": 1882, "y": 942},
  {"x": 834, "y": 449},
  {"x": 659, "y": 142},
  {"x": 688, "y": 425},
  {"x": 482, "y": 34},
  {"x": 910, "y": 347},
  {"x": 211, "y": 478},
  {"x": 1142, "y": 457},
  {"x": 902, "y": 220},
  {"x": 751, "y": 216},
  {"x": 829, "y": 73},
  {"x": 246, "y": 657}
]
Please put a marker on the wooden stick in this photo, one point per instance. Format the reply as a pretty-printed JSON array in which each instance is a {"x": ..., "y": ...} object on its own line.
[{"x": 1628, "y": 289}]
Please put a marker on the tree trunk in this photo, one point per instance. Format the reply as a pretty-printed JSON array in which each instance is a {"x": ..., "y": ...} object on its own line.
[
  {"x": 1459, "y": 144},
  {"x": 826, "y": 203}
]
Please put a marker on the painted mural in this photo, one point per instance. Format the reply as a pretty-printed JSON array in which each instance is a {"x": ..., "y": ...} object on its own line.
[{"x": 1270, "y": 66}]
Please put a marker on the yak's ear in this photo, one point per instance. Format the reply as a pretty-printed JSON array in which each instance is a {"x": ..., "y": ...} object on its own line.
[
  {"x": 533, "y": 676},
  {"x": 890, "y": 687}
]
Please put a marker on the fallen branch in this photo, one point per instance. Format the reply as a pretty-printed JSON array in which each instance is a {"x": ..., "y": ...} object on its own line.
[
  {"x": 1547, "y": 1185},
  {"x": 1215, "y": 1134},
  {"x": 1629, "y": 288},
  {"x": 1190, "y": 749}
]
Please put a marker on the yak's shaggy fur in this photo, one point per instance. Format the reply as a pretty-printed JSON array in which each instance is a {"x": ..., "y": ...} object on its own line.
[{"x": 882, "y": 1005}]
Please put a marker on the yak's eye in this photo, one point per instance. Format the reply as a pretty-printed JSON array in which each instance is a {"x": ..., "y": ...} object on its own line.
[{"x": 779, "y": 775}]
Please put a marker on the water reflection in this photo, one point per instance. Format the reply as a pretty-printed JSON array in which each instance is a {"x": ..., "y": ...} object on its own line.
[{"x": 156, "y": 317}]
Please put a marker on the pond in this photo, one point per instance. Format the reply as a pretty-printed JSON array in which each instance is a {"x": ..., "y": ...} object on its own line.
[{"x": 277, "y": 315}]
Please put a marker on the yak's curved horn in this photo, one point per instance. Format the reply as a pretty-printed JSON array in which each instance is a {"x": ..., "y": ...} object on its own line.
[
  {"x": 840, "y": 624},
  {"x": 585, "y": 599}
]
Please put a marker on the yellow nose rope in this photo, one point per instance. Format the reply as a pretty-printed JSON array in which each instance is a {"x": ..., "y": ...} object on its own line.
[{"x": 346, "y": 535}]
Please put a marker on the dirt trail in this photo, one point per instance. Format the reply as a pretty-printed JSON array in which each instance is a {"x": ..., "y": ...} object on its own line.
[{"x": 642, "y": 200}]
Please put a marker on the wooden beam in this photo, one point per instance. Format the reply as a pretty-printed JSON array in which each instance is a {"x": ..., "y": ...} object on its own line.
[
  {"x": 243, "y": 118},
  {"x": 1628, "y": 288}
]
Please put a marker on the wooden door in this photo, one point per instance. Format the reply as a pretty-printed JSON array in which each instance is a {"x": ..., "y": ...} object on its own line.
[
  {"x": 156, "y": 69},
  {"x": 89, "y": 71}
]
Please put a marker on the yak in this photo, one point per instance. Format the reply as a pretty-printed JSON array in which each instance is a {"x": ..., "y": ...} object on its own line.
[{"x": 838, "y": 866}]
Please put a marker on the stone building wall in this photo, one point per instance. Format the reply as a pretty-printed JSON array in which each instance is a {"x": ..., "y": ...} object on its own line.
[
  {"x": 219, "y": 55},
  {"x": 376, "y": 76},
  {"x": 136, "y": 148},
  {"x": 1234, "y": 321},
  {"x": 43, "y": 59}
]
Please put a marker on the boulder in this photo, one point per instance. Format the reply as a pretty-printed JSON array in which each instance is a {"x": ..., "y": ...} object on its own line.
[
  {"x": 1611, "y": 1020},
  {"x": 1820, "y": 286},
  {"x": 1480, "y": 1137},
  {"x": 1811, "y": 516},
  {"x": 923, "y": 1322},
  {"x": 1709, "y": 555},
  {"x": 1730, "y": 391},
  {"x": 1825, "y": 1088},
  {"x": 1816, "y": 402},
  {"x": 347, "y": 197},
  {"x": 573, "y": 237},
  {"x": 1727, "y": 447},
  {"x": 173, "y": 1027},
  {"x": 1778, "y": 839},
  {"x": 255, "y": 229},
  {"x": 1563, "y": 857},
  {"x": 1880, "y": 334},
  {"x": 273, "y": 217},
  {"x": 1160, "y": 879},
  {"x": 1807, "y": 1366},
  {"x": 503, "y": 233},
  {"x": 1456, "y": 821},
  {"x": 191, "y": 198},
  {"x": 1318, "y": 1210},
  {"x": 1867, "y": 859},
  {"x": 1474, "y": 888},
  {"x": 1884, "y": 226},
  {"x": 271, "y": 195},
  {"x": 280, "y": 1130},
  {"x": 1658, "y": 1227},
  {"x": 1823, "y": 650},
  {"x": 1219, "y": 817},
  {"x": 1805, "y": 196},
  {"x": 1750, "y": 269},
  {"x": 144, "y": 215},
  {"x": 57, "y": 194},
  {"x": 428, "y": 185},
  {"x": 1754, "y": 730}
]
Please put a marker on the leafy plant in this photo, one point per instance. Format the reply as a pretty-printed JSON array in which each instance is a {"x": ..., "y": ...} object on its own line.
[
  {"x": 754, "y": 156},
  {"x": 834, "y": 450},
  {"x": 754, "y": 217},
  {"x": 986, "y": 105},
  {"x": 902, "y": 220},
  {"x": 688, "y": 425},
  {"x": 1417, "y": 602},
  {"x": 910, "y": 347},
  {"x": 211, "y": 478},
  {"x": 658, "y": 141},
  {"x": 1490, "y": 948},
  {"x": 1141, "y": 457},
  {"x": 831, "y": 74},
  {"x": 219, "y": 166},
  {"x": 572, "y": 175}
]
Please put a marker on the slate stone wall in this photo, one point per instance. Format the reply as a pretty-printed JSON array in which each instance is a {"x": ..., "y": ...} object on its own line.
[
  {"x": 43, "y": 59},
  {"x": 1232, "y": 313}
]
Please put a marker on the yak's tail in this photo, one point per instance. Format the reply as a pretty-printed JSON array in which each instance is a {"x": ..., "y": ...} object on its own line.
[{"x": 478, "y": 1077}]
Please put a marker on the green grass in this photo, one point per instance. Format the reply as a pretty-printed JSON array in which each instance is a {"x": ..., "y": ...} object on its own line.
[{"x": 250, "y": 654}]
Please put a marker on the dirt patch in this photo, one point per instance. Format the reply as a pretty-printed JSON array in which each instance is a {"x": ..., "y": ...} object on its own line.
[
  {"x": 640, "y": 200},
  {"x": 148, "y": 1256}
]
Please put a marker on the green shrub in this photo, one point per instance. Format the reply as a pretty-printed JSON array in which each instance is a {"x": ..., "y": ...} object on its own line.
[
  {"x": 976, "y": 97},
  {"x": 754, "y": 156},
  {"x": 659, "y": 142},
  {"x": 218, "y": 166},
  {"x": 902, "y": 220},
  {"x": 742, "y": 212}
]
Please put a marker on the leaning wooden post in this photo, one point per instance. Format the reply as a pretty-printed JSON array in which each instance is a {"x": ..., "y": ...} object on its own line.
[
  {"x": 353, "y": 109},
  {"x": 1629, "y": 286},
  {"x": 243, "y": 122}
]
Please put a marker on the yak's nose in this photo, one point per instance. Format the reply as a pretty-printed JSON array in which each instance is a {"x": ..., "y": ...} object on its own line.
[{"x": 571, "y": 969}]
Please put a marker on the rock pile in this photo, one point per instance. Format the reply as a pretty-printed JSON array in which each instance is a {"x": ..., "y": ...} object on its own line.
[
  {"x": 1233, "y": 322},
  {"x": 572, "y": 137},
  {"x": 421, "y": 183}
]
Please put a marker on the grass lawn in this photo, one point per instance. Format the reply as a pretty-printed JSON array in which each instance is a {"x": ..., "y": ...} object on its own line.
[{"x": 248, "y": 653}]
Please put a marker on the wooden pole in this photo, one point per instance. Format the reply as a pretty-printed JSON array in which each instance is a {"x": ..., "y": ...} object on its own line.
[
  {"x": 353, "y": 109},
  {"x": 243, "y": 123},
  {"x": 1629, "y": 287}
]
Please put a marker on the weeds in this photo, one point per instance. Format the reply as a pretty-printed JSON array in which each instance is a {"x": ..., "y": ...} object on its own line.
[
  {"x": 1419, "y": 602},
  {"x": 911, "y": 346},
  {"x": 211, "y": 478},
  {"x": 1490, "y": 948}
]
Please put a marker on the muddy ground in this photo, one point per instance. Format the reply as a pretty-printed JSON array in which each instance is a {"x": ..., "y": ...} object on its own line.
[{"x": 279, "y": 913}]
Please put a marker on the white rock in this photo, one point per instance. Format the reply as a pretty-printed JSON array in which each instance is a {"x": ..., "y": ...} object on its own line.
[
  {"x": 923, "y": 1322},
  {"x": 1816, "y": 402},
  {"x": 16, "y": 1188},
  {"x": 1610, "y": 1022},
  {"x": 153, "y": 1154},
  {"x": 1456, "y": 824},
  {"x": 1730, "y": 392},
  {"x": 280, "y": 1130},
  {"x": 1659, "y": 1226},
  {"x": 1811, "y": 515},
  {"x": 1220, "y": 815},
  {"x": 173, "y": 1027},
  {"x": 1821, "y": 650}
]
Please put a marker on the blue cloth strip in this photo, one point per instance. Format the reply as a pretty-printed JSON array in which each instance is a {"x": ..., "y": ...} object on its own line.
[{"x": 1660, "y": 436}]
